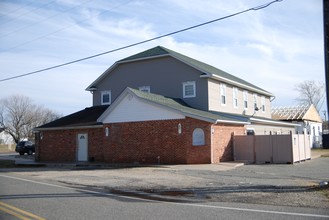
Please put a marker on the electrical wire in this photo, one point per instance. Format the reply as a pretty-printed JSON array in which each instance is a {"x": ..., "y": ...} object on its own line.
[
  {"x": 63, "y": 28},
  {"x": 142, "y": 42},
  {"x": 43, "y": 20},
  {"x": 27, "y": 12}
]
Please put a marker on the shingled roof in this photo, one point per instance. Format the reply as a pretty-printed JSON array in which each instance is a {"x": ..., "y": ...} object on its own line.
[
  {"x": 85, "y": 117},
  {"x": 180, "y": 106},
  {"x": 206, "y": 69}
]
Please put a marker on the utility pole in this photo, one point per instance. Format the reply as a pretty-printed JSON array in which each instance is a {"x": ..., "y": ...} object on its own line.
[{"x": 326, "y": 45}]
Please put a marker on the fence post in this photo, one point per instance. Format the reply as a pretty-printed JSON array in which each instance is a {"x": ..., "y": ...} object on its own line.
[
  {"x": 292, "y": 147},
  {"x": 233, "y": 143}
]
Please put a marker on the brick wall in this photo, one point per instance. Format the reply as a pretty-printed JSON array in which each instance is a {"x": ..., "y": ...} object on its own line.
[
  {"x": 222, "y": 141},
  {"x": 149, "y": 142},
  {"x": 61, "y": 145},
  {"x": 156, "y": 141}
]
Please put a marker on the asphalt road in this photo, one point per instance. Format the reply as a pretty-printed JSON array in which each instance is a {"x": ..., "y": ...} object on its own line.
[{"x": 37, "y": 199}]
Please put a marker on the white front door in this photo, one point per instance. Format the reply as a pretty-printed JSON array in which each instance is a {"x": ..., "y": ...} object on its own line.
[{"x": 82, "y": 147}]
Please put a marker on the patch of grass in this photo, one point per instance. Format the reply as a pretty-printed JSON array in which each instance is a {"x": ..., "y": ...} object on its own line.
[
  {"x": 4, "y": 149},
  {"x": 322, "y": 152}
]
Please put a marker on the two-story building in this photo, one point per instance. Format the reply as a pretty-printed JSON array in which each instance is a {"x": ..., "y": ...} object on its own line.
[{"x": 160, "y": 106}]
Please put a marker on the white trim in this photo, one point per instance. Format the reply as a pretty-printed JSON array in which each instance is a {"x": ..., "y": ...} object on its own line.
[
  {"x": 254, "y": 101},
  {"x": 222, "y": 90},
  {"x": 274, "y": 122},
  {"x": 241, "y": 85},
  {"x": 245, "y": 99},
  {"x": 235, "y": 100},
  {"x": 189, "y": 83},
  {"x": 232, "y": 122},
  {"x": 263, "y": 103}
]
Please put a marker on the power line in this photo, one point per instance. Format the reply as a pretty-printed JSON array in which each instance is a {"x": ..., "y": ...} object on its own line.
[
  {"x": 142, "y": 42},
  {"x": 43, "y": 20},
  {"x": 27, "y": 12},
  {"x": 63, "y": 28}
]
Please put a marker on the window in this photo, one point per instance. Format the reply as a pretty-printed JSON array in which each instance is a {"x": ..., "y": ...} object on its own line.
[
  {"x": 245, "y": 99},
  {"x": 235, "y": 97},
  {"x": 255, "y": 101},
  {"x": 198, "y": 137},
  {"x": 263, "y": 103},
  {"x": 223, "y": 94},
  {"x": 145, "y": 89},
  {"x": 106, "y": 97},
  {"x": 189, "y": 89}
]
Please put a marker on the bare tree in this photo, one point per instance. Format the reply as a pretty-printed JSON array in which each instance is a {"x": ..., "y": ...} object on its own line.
[
  {"x": 19, "y": 115},
  {"x": 311, "y": 92}
]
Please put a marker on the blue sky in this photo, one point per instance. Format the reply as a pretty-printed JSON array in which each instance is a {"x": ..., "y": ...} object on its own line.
[{"x": 274, "y": 48}]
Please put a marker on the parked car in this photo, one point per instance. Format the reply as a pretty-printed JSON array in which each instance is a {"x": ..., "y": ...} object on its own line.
[{"x": 25, "y": 147}]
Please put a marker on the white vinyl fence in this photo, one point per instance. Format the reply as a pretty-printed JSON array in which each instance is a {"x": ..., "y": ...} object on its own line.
[{"x": 290, "y": 148}]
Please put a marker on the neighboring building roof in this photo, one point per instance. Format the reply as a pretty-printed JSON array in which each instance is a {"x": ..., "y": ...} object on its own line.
[
  {"x": 180, "y": 106},
  {"x": 206, "y": 69},
  {"x": 296, "y": 113},
  {"x": 83, "y": 118}
]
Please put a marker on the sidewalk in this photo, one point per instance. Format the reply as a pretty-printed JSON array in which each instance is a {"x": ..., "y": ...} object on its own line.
[{"x": 223, "y": 166}]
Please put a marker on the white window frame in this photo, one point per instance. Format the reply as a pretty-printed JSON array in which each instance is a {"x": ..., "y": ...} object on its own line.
[
  {"x": 235, "y": 97},
  {"x": 145, "y": 89},
  {"x": 107, "y": 92},
  {"x": 245, "y": 99},
  {"x": 223, "y": 94},
  {"x": 189, "y": 83},
  {"x": 254, "y": 96},
  {"x": 263, "y": 104}
]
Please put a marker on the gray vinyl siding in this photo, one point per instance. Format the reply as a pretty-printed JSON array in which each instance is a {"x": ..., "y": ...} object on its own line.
[{"x": 164, "y": 75}]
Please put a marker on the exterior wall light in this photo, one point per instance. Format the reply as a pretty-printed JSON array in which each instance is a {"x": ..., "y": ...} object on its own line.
[
  {"x": 107, "y": 132},
  {"x": 179, "y": 128}
]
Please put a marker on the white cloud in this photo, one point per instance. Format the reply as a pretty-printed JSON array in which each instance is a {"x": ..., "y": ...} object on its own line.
[{"x": 273, "y": 48}]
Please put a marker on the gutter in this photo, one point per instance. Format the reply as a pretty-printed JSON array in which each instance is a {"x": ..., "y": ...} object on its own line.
[
  {"x": 67, "y": 128},
  {"x": 238, "y": 84},
  {"x": 274, "y": 122},
  {"x": 232, "y": 122}
]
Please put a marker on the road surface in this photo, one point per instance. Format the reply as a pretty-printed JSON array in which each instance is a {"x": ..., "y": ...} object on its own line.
[{"x": 22, "y": 198}]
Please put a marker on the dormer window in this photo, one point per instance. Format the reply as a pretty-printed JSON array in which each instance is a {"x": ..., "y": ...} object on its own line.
[
  {"x": 189, "y": 90},
  {"x": 145, "y": 89},
  {"x": 106, "y": 97}
]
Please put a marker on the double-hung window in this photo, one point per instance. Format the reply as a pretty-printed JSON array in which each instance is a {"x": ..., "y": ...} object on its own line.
[
  {"x": 223, "y": 94},
  {"x": 255, "y": 101},
  {"x": 263, "y": 103},
  {"x": 189, "y": 90},
  {"x": 245, "y": 99},
  {"x": 235, "y": 97},
  {"x": 106, "y": 97}
]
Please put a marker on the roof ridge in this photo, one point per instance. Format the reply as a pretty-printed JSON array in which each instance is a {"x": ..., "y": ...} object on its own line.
[{"x": 197, "y": 64}]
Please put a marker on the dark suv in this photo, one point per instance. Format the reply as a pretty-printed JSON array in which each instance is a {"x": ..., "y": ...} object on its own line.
[{"x": 25, "y": 147}]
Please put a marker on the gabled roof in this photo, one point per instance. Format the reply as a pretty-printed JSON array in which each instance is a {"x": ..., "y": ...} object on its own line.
[
  {"x": 179, "y": 106},
  {"x": 83, "y": 118},
  {"x": 296, "y": 113},
  {"x": 206, "y": 69}
]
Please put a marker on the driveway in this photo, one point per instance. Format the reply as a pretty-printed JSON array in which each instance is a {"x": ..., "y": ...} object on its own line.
[{"x": 288, "y": 185}]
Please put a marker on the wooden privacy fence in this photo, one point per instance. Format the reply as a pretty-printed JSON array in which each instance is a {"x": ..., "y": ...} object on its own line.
[{"x": 289, "y": 148}]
